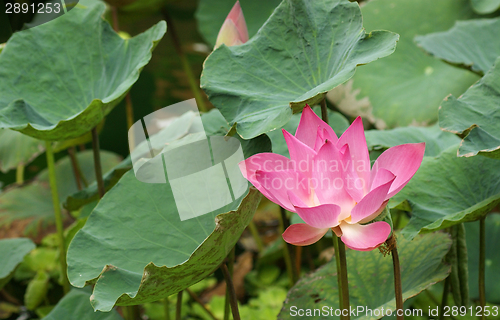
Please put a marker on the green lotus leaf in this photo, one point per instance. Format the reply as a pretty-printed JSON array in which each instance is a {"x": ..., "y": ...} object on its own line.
[
  {"x": 76, "y": 305},
  {"x": 12, "y": 252},
  {"x": 481, "y": 37},
  {"x": 492, "y": 261},
  {"x": 211, "y": 14},
  {"x": 475, "y": 115},
  {"x": 407, "y": 87},
  {"x": 485, "y": 6},
  {"x": 304, "y": 50},
  {"x": 436, "y": 140},
  {"x": 60, "y": 79},
  {"x": 448, "y": 190},
  {"x": 371, "y": 283},
  {"x": 17, "y": 149},
  {"x": 34, "y": 201}
]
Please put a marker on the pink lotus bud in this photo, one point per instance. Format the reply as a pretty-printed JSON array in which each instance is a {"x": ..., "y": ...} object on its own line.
[{"x": 234, "y": 29}]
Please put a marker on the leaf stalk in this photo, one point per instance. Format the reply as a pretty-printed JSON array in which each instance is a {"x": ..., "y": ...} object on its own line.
[
  {"x": 97, "y": 162},
  {"x": 482, "y": 259},
  {"x": 58, "y": 215}
]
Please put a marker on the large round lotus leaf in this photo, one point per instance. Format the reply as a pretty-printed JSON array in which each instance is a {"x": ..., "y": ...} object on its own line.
[
  {"x": 371, "y": 283},
  {"x": 12, "y": 252},
  {"x": 476, "y": 115},
  {"x": 212, "y": 13},
  {"x": 137, "y": 248},
  {"x": 481, "y": 37},
  {"x": 407, "y": 87},
  {"x": 60, "y": 79},
  {"x": 305, "y": 49},
  {"x": 17, "y": 149},
  {"x": 448, "y": 190},
  {"x": 335, "y": 119},
  {"x": 436, "y": 140},
  {"x": 76, "y": 305},
  {"x": 492, "y": 261},
  {"x": 485, "y": 6},
  {"x": 34, "y": 201}
]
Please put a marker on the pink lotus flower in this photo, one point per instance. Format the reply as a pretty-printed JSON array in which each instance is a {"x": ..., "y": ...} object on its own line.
[
  {"x": 328, "y": 182},
  {"x": 234, "y": 29}
]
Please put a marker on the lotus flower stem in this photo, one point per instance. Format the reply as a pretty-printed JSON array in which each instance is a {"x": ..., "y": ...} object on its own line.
[
  {"x": 57, "y": 211},
  {"x": 178, "y": 307},
  {"x": 482, "y": 258},
  {"x": 298, "y": 261},
  {"x": 77, "y": 165},
  {"x": 230, "y": 261},
  {"x": 166, "y": 308},
  {"x": 324, "y": 111},
  {"x": 197, "y": 299},
  {"x": 398, "y": 289},
  {"x": 193, "y": 82},
  {"x": 97, "y": 163},
  {"x": 129, "y": 108},
  {"x": 255, "y": 234},
  {"x": 336, "y": 242},
  {"x": 132, "y": 312},
  {"x": 444, "y": 299},
  {"x": 342, "y": 272},
  {"x": 76, "y": 172},
  {"x": 114, "y": 18},
  {"x": 20, "y": 174},
  {"x": 287, "y": 252},
  {"x": 232, "y": 292}
]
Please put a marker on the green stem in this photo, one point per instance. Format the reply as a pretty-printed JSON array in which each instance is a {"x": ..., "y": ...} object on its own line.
[
  {"x": 444, "y": 299},
  {"x": 227, "y": 302},
  {"x": 166, "y": 306},
  {"x": 324, "y": 110},
  {"x": 132, "y": 313},
  {"x": 482, "y": 257},
  {"x": 129, "y": 109},
  {"x": 76, "y": 172},
  {"x": 178, "y": 307},
  {"x": 298, "y": 262},
  {"x": 20, "y": 174},
  {"x": 255, "y": 234},
  {"x": 80, "y": 172},
  {"x": 97, "y": 163},
  {"x": 337, "y": 262},
  {"x": 193, "y": 83},
  {"x": 195, "y": 298},
  {"x": 287, "y": 249},
  {"x": 398, "y": 288},
  {"x": 462, "y": 264},
  {"x": 342, "y": 272},
  {"x": 232, "y": 293},
  {"x": 57, "y": 212}
]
